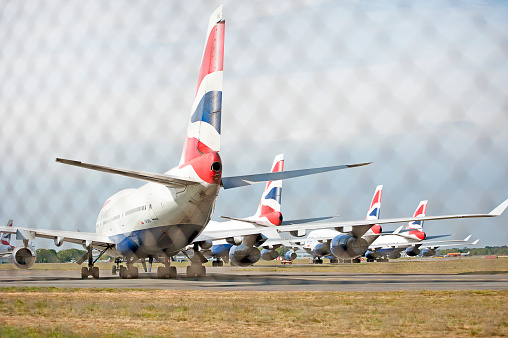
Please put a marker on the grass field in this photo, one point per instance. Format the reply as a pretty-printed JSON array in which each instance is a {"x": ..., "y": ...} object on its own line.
[
  {"x": 400, "y": 266},
  {"x": 79, "y": 312}
]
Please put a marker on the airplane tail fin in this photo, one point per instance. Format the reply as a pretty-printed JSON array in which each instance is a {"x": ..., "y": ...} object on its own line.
[
  {"x": 416, "y": 227},
  {"x": 6, "y": 238},
  {"x": 203, "y": 131},
  {"x": 375, "y": 211},
  {"x": 269, "y": 209}
]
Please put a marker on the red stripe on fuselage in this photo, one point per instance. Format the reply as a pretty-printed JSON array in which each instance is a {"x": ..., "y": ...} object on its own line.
[{"x": 213, "y": 57}]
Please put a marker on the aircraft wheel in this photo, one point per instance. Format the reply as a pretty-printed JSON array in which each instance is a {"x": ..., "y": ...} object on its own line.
[
  {"x": 113, "y": 270},
  {"x": 123, "y": 272},
  {"x": 172, "y": 272},
  {"x": 133, "y": 272},
  {"x": 84, "y": 272},
  {"x": 95, "y": 272},
  {"x": 196, "y": 271}
]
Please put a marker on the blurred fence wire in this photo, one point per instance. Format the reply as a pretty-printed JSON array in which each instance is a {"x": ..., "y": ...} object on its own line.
[{"x": 417, "y": 87}]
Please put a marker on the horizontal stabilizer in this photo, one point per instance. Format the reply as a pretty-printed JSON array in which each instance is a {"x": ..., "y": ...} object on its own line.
[
  {"x": 240, "y": 181},
  {"x": 140, "y": 175}
]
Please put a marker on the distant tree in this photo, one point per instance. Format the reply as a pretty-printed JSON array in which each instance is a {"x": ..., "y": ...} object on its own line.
[
  {"x": 67, "y": 255},
  {"x": 282, "y": 250},
  {"x": 45, "y": 256}
]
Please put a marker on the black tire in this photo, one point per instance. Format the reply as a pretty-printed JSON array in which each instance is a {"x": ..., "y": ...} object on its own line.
[
  {"x": 123, "y": 272},
  {"x": 95, "y": 272},
  {"x": 113, "y": 270},
  {"x": 134, "y": 272},
  {"x": 172, "y": 272},
  {"x": 84, "y": 272}
]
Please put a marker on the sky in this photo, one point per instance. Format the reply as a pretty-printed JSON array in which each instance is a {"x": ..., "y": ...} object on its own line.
[{"x": 416, "y": 87}]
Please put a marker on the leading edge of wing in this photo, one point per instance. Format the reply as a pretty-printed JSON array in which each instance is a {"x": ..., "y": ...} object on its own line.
[
  {"x": 346, "y": 226},
  {"x": 240, "y": 181},
  {"x": 75, "y": 237},
  {"x": 140, "y": 175}
]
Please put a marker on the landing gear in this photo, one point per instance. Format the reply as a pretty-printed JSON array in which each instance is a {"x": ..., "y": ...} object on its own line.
[
  {"x": 130, "y": 270},
  {"x": 317, "y": 261},
  {"x": 217, "y": 263},
  {"x": 90, "y": 270},
  {"x": 166, "y": 272},
  {"x": 356, "y": 260},
  {"x": 93, "y": 271},
  {"x": 334, "y": 261},
  {"x": 196, "y": 269}
]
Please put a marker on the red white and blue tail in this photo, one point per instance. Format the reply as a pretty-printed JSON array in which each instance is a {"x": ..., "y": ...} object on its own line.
[
  {"x": 203, "y": 131},
  {"x": 269, "y": 210},
  {"x": 6, "y": 238},
  {"x": 416, "y": 227},
  {"x": 375, "y": 211}
]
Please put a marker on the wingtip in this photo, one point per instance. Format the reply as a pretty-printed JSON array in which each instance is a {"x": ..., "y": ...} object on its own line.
[
  {"x": 499, "y": 209},
  {"x": 475, "y": 242},
  {"x": 358, "y": 165}
]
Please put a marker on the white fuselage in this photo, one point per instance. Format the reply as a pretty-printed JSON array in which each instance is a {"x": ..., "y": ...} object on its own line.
[{"x": 155, "y": 219}]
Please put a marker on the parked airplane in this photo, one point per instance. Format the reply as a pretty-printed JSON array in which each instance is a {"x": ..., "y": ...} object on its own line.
[
  {"x": 162, "y": 217},
  {"x": 318, "y": 241},
  {"x": 159, "y": 219},
  {"x": 5, "y": 242},
  {"x": 410, "y": 240}
]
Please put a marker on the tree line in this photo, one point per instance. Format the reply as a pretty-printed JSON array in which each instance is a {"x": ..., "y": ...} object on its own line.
[
  {"x": 62, "y": 256},
  {"x": 487, "y": 251}
]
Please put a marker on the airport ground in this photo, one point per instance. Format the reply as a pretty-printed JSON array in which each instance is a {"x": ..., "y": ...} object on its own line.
[{"x": 428, "y": 297}]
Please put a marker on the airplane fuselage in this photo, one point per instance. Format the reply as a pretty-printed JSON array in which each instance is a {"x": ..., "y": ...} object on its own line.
[{"x": 159, "y": 220}]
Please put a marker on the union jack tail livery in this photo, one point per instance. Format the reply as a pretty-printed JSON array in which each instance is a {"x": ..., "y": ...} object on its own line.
[
  {"x": 416, "y": 227},
  {"x": 203, "y": 131},
  {"x": 6, "y": 238},
  {"x": 269, "y": 207},
  {"x": 375, "y": 211}
]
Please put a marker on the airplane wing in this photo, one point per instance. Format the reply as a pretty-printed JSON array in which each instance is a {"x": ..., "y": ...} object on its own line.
[
  {"x": 357, "y": 228},
  {"x": 422, "y": 244},
  {"x": 164, "y": 179},
  {"x": 240, "y": 181},
  {"x": 447, "y": 245},
  {"x": 5, "y": 254},
  {"x": 97, "y": 240}
]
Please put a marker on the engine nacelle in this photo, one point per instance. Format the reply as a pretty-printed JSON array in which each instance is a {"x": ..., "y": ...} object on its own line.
[
  {"x": 221, "y": 250},
  {"x": 234, "y": 240},
  {"x": 322, "y": 249},
  {"x": 394, "y": 255},
  {"x": 59, "y": 241},
  {"x": 205, "y": 245},
  {"x": 269, "y": 255},
  {"x": 370, "y": 255},
  {"x": 412, "y": 251},
  {"x": 428, "y": 252},
  {"x": 347, "y": 247},
  {"x": 23, "y": 258},
  {"x": 290, "y": 256},
  {"x": 243, "y": 255}
]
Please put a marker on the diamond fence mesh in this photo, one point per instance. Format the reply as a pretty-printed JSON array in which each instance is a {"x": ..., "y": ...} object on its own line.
[{"x": 419, "y": 88}]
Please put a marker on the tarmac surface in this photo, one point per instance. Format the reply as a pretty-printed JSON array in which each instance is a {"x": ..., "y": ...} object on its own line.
[{"x": 235, "y": 279}]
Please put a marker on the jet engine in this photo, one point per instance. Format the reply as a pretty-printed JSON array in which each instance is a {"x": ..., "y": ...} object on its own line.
[
  {"x": 220, "y": 250},
  {"x": 370, "y": 255},
  {"x": 428, "y": 252},
  {"x": 23, "y": 257},
  {"x": 412, "y": 251},
  {"x": 322, "y": 249},
  {"x": 290, "y": 256},
  {"x": 347, "y": 246},
  {"x": 269, "y": 255},
  {"x": 243, "y": 255},
  {"x": 394, "y": 255}
]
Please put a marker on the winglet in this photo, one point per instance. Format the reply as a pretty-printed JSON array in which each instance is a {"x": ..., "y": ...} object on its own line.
[
  {"x": 499, "y": 209},
  {"x": 467, "y": 238},
  {"x": 475, "y": 242}
]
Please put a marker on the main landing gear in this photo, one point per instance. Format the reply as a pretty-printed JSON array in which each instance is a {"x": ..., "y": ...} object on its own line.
[
  {"x": 90, "y": 270},
  {"x": 217, "y": 263},
  {"x": 196, "y": 269},
  {"x": 166, "y": 271}
]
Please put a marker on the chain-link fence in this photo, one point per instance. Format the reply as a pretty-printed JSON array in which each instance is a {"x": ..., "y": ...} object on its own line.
[{"x": 417, "y": 87}]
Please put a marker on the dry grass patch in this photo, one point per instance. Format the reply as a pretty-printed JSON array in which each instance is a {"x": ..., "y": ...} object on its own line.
[{"x": 199, "y": 313}]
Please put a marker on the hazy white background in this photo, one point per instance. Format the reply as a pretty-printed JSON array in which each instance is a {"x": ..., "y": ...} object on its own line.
[{"x": 417, "y": 87}]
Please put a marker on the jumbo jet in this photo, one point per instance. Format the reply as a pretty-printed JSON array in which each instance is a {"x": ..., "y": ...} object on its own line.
[
  {"x": 162, "y": 217},
  {"x": 413, "y": 240}
]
